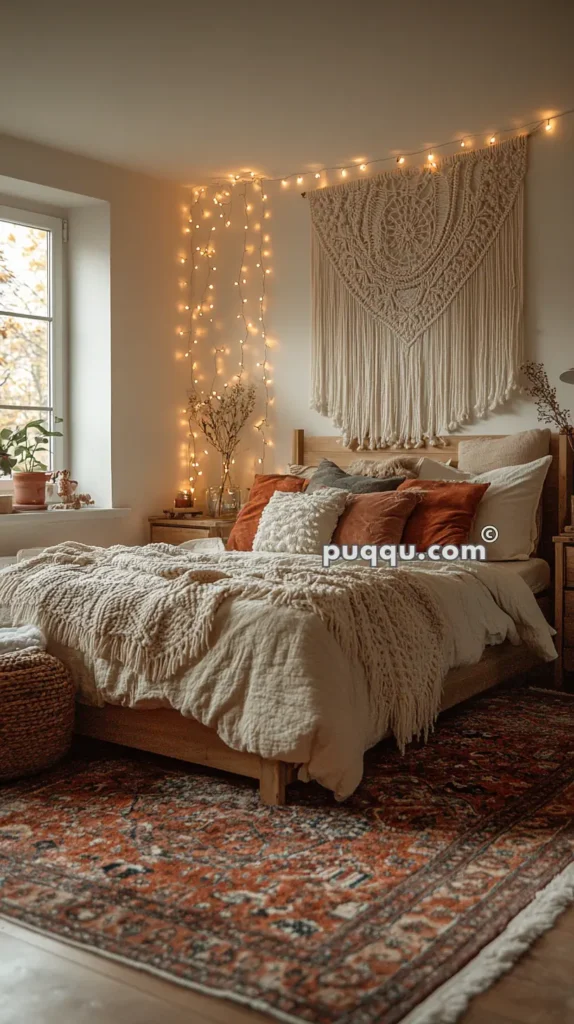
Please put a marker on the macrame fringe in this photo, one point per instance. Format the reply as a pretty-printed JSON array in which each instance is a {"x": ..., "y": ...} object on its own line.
[{"x": 382, "y": 393}]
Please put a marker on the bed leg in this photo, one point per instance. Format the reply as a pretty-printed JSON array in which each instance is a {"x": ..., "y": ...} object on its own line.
[{"x": 272, "y": 782}]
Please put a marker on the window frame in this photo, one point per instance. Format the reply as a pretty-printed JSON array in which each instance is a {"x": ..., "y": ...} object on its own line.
[{"x": 56, "y": 315}]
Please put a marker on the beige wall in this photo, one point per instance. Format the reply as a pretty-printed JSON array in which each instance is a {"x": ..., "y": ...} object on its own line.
[
  {"x": 134, "y": 423},
  {"x": 128, "y": 432},
  {"x": 549, "y": 290}
]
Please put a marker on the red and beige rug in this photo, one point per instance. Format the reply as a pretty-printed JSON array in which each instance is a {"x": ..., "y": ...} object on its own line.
[{"x": 355, "y": 913}]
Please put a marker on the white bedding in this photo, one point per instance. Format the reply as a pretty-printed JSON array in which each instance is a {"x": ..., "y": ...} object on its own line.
[
  {"x": 276, "y": 683},
  {"x": 534, "y": 571}
]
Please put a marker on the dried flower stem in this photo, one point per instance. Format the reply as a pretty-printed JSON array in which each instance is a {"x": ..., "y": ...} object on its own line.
[
  {"x": 544, "y": 395},
  {"x": 221, "y": 418}
]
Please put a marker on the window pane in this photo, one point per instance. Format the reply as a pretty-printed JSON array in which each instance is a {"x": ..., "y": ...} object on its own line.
[
  {"x": 24, "y": 361},
  {"x": 23, "y": 269},
  {"x": 15, "y": 418}
]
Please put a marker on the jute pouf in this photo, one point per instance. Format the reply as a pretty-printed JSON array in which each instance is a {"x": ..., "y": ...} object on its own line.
[{"x": 36, "y": 712}]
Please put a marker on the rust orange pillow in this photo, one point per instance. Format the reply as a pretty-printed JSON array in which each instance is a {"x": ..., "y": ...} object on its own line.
[
  {"x": 264, "y": 485},
  {"x": 375, "y": 518},
  {"x": 445, "y": 513}
]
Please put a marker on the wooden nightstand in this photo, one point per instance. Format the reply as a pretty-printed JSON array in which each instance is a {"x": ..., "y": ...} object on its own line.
[
  {"x": 564, "y": 605},
  {"x": 176, "y": 531}
]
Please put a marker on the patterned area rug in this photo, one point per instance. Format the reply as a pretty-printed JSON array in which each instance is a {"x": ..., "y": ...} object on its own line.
[{"x": 318, "y": 912}]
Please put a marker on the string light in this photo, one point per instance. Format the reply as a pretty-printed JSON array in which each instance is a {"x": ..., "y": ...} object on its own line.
[
  {"x": 529, "y": 126},
  {"x": 400, "y": 159}
]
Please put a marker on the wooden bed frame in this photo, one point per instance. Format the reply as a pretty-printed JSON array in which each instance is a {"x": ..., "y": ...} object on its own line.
[{"x": 169, "y": 733}]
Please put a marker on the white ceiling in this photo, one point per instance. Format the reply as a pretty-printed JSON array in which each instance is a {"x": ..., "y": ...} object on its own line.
[{"x": 190, "y": 91}]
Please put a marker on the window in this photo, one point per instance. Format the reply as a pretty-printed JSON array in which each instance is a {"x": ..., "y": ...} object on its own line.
[{"x": 31, "y": 335}]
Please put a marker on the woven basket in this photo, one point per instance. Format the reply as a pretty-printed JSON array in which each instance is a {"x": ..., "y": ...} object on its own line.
[{"x": 36, "y": 712}]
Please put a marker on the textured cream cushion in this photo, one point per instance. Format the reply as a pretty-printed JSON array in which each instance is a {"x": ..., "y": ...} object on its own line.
[
  {"x": 478, "y": 455},
  {"x": 294, "y": 469},
  {"x": 300, "y": 524},
  {"x": 510, "y": 504}
]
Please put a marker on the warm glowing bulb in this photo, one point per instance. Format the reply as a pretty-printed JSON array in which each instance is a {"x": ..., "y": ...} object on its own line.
[
  {"x": 317, "y": 175},
  {"x": 299, "y": 180},
  {"x": 182, "y": 259},
  {"x": 463, "y": 144},
  {"x": 431, "y": 158},
  {"x": 548, "y": 125},
  {"x": 343, "y": 173},
  {"x": 400, "y": 159},
  {"x": 492, "y": 140},
  {"x": 363, "y": 167},
  {"x": 284, "y": 183}
]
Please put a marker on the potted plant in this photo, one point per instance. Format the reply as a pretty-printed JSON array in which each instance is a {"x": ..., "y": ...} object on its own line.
[{"x": 21, "y": 454}]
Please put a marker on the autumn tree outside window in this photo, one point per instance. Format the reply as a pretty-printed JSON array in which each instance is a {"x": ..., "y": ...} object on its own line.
[{"x": 31, "y": 336}]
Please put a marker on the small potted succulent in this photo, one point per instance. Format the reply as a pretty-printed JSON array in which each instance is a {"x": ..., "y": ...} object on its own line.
[{"x": 21, "y": 454}]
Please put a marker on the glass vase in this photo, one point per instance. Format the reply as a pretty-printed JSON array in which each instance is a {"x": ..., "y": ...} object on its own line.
[{"x": 223, "y": 501}]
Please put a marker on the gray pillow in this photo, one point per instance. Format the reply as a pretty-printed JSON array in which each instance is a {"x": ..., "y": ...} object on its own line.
[{"x": 328, "y": 474}]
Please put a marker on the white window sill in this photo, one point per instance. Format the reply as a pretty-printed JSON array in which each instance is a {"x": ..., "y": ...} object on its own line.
[{"x": 61, "y": 515}]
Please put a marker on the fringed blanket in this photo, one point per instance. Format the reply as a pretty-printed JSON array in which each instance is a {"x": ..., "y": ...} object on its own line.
[{"x": 152, "y": 609}]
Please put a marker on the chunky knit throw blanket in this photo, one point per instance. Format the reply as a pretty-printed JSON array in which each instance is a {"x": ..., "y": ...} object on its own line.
[{"x": 153, "y": 609}]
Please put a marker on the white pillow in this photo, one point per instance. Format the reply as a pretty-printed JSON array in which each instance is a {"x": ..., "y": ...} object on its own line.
[
  {"x": 299, "y": 523},
  {"x": 509, "y": 504}
]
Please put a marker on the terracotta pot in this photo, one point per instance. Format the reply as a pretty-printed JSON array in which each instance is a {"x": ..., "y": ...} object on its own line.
[{"x": 29, "y": 488}]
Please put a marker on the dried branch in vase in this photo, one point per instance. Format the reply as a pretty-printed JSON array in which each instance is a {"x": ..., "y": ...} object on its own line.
[
  {"x": 544, "y": 395},
  {"x": 221, "y": 418}
]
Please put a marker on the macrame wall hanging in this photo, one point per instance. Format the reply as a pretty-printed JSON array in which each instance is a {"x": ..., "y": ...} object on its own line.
[{"x": 417, "y": 297}]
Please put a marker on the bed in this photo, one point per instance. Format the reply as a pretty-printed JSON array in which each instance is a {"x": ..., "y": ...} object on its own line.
[{"x": 168, "y": 732}]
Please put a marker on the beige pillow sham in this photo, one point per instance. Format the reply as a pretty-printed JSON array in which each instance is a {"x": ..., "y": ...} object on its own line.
[{"x": 479, "y": 455}]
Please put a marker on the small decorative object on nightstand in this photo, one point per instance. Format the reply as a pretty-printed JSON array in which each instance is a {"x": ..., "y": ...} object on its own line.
[
  {"x": 175, "y": 531},
  {"x": 564, "y": 606}
]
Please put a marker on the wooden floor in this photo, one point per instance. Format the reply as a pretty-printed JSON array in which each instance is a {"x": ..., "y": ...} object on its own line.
[{"x": 43, "y": 981}]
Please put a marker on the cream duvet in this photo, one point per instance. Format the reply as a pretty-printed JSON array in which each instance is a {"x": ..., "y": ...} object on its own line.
[{"x": 282, "y": 677}]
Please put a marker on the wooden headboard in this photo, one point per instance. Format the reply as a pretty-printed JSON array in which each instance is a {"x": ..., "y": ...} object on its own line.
[{"x": 309, "y": 450}]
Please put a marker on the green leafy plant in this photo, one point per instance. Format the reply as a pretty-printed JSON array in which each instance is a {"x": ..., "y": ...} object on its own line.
[{"x": 23, "y": 449}]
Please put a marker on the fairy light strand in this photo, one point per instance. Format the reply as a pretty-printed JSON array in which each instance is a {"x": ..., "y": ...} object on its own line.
[
  {"x": 193, "y": 469},
  {"x": 464, "y": 141},
  {"x": 264, "y": 422},
  {"x": 239, "y": 284}
]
